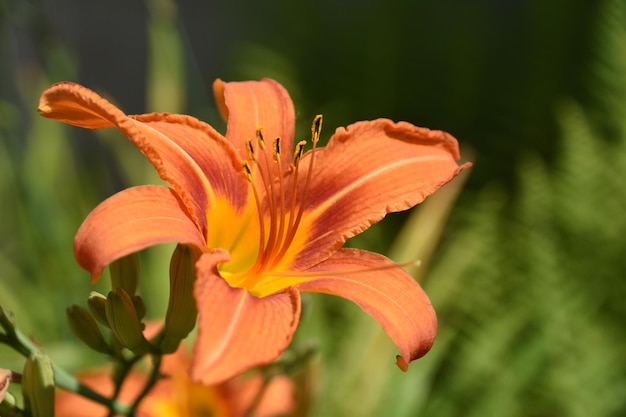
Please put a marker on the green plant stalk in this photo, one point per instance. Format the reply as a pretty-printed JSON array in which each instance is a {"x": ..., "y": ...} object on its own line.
[
  {"x": 62, "y": 379},
  {"x": 154, "y": 377}
]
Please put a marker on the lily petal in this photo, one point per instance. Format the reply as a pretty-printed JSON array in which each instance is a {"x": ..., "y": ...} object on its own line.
[
  {"x": 367, "y": 170},
  {"x": 390, "y": 295},
  {"x": 213, "y": 153},
  {"x": 129, "y": 221},
  {"x": 236, "y": 330},
  {"x": 247, "y": 105},
  {"x": 190, "y": 155}
]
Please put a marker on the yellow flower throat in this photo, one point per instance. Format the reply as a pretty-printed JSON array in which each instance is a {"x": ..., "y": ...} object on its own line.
[{"x": 265, "y": 238}]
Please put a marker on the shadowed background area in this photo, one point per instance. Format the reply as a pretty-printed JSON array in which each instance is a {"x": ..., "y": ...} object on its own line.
[{"x": 526, "y": 270}]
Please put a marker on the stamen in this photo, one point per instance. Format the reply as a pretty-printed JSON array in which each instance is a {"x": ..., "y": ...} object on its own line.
[
  {"x": 268, "y": 183},
  {"x": 284, "y": 217},
  {"x": 316, "y": 128},
  {"x": 293, "y": 227},
  {"x": 247, "y": 170},
  {"x": 274, "y": 244},
  {"x": 250, "y": 149},
  {"x": 298, "y": 153},
  {"x": 277, "y": 151},
  {"x": 259, "y": 137}
]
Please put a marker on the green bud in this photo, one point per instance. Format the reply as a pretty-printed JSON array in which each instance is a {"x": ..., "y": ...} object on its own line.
[
  {"x": 125, "y": 273},
  {"x": 125, "y": 324},
  {"x": 181, "y": 314},
  {"x": 38, "y": 385},
  {"x": 140, "y": 306},
  {"x": 96, "y": 303},
  {"x": 116, "y": 346},
  {"x": 84, "y": 326}
]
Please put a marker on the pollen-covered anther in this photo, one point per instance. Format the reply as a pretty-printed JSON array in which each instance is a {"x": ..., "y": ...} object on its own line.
[
  {"x": 250, "y": 150},
  {"x": 247, "y": 170},
  {"x": 299, "y": 151},
  {"x": 259, "y": 137},
  {"x": 316, "y": 128},
  {"x": 276, "y": 149}
]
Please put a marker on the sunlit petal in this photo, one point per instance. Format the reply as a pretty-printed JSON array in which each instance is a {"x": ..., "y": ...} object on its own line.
[
  {"x": 190, "y": 155},
  {"x": 129, "y": 221},
  {"x": 235, "y": 329},
  {"x": 247, "y": 105},
  {"x": 391, "y": 296},
  {"x": 367, "y": 170},
  {"x": 208, "y": 149},
  {"x": 79, "y": 106}
]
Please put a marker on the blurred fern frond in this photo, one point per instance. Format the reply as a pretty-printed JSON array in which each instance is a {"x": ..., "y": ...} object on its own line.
[
  {"x": 531, "y": 290},
  {"x": 537, "y": 311}
]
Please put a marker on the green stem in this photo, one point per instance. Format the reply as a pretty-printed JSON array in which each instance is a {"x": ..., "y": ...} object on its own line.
[
  {"x": 23, "y": 345},
  {"x": 155, "y": 375}
]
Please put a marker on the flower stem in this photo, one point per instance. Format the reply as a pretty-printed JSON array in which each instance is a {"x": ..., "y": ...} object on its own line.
[
  {"x": 14, "y": 338},
  {"x": 155, "y": 375}
]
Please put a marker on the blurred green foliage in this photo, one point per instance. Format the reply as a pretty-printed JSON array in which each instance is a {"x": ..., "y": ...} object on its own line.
[{"x": 526, "y": 272}]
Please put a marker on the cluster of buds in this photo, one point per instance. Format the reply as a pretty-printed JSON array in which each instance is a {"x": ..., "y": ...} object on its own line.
[
  {"x": 122, "y": 310},
  {"x": 38, "y": 388}
]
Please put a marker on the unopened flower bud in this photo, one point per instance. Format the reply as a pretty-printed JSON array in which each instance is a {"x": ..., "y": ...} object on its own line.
[
  {"x": 181, "y": 314},
  {"x": 96, "y": 303},
  {"x": 84, "y": 326},
  {"x": 125, "y": 273},
  {"x": 38, "y": 385},
  {"x": 140, "y": 306},
  {"x": 124, "y": 321}
]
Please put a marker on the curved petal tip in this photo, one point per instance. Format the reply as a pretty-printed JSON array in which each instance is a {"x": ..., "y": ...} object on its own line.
[
  {"x": 402, "y": 363},
  {"x": 74, "y": 104}
]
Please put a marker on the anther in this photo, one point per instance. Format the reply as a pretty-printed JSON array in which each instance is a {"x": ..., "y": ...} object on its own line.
[
  {"x": 250, "y": 149},
  {"x": 316, "y": 128},
  {"x": 276, "y": 149},
  {"x": 247, "y": 170},
  {"x": 259, "y": 137},
  {"x": 298, "y": 152}
]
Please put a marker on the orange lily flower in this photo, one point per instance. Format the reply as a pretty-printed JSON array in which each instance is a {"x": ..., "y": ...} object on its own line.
[
  {"x": 271, "y": 223},
  {"x": 175, "y": 395}
]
